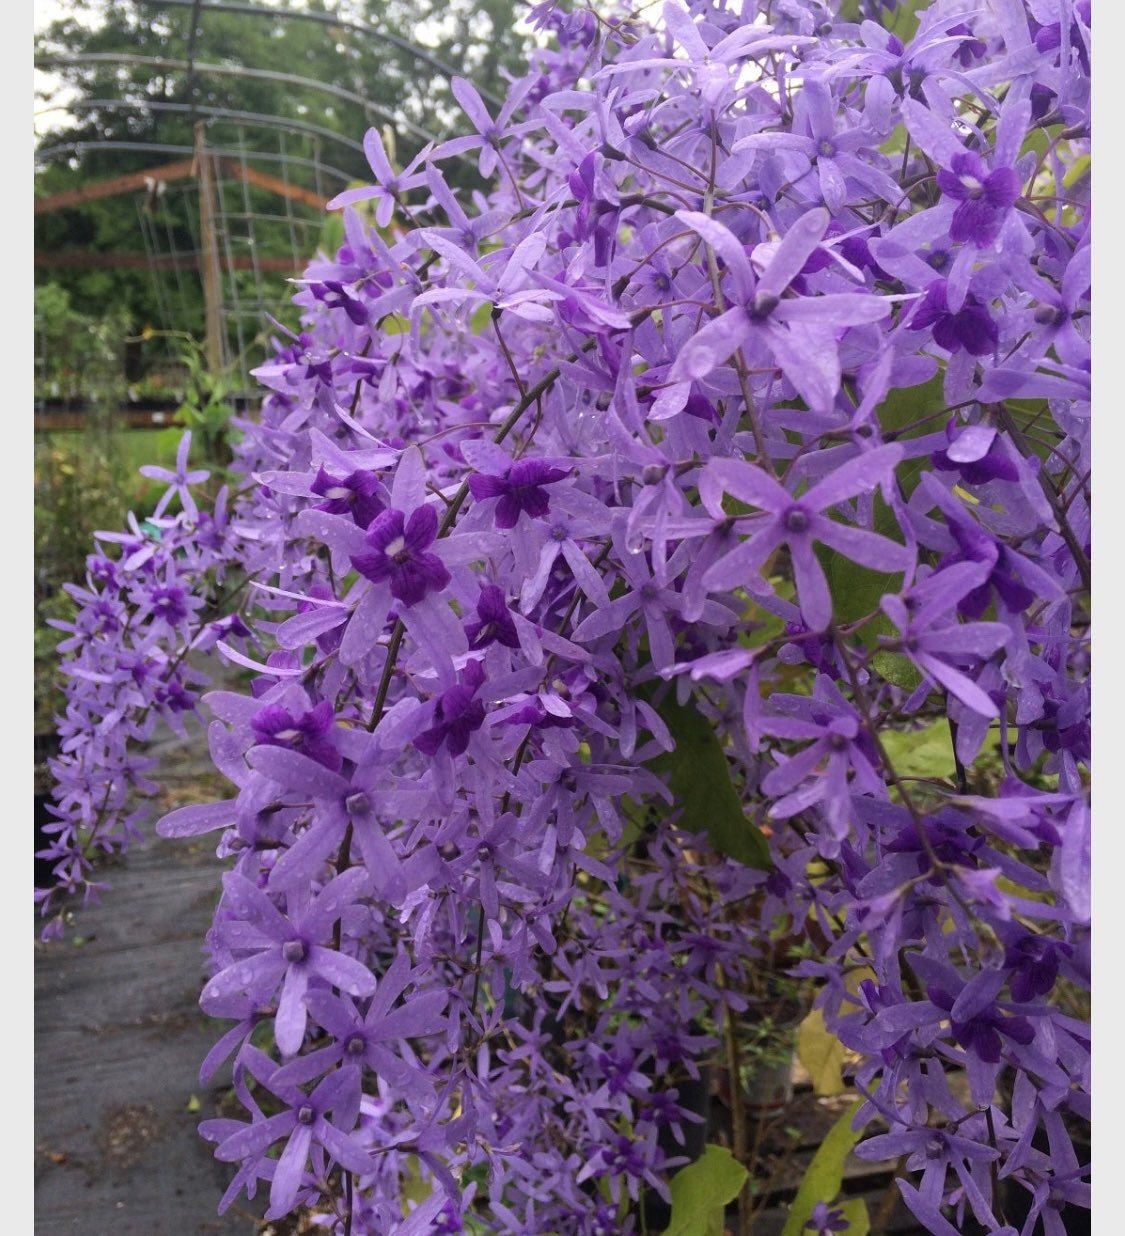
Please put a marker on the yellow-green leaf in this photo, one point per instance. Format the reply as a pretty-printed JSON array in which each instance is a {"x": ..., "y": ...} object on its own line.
[
  {"x": 821, "y": 1181},
  {"x": 921, "y": 753},
  {"x": 701, "y": 1190},
  {"x": 414, "y": 1187},
  {"x": 855, "y": 1211},
  {"x": 897, "y": 669},
  {"x": 822, "y": 1055}
]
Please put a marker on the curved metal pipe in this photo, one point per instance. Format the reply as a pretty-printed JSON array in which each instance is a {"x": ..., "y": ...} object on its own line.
[
  {"x": 327, "y": 19},
  {"x": 229, "y": 70}
]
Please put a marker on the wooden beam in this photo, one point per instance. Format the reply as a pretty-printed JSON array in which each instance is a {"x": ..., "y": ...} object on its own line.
[
  {"x": 209, "y": 270},
  {"x": 273, "y": 184},
  {"x": 181, "y": 170},
  {"x": 113, "y": 187},
  {"x": 80, "y": 259}
]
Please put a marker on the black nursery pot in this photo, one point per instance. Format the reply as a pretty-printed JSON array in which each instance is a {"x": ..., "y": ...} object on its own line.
[
  {"x": 693, "y": 1096},
  {"x": 46, "y": 745},
  {"x": 1017, "y": 1200},
  {"x": 44, "y": 873}
]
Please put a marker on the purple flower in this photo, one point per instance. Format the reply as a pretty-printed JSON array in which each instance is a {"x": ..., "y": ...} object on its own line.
[
  {"x": 494, "y": 623},
  {"x": 304, "y": 1124},
  {"x": 179, "y": 479},
  {"x": 1034, "y": 963},
  {"x": 981, "y": 1030},
  {"x": 356, "y": 494},
  {"x": 287, "y": 951},
  {"x": 932, "y": 639},
  {"x": 309, "y": 732},
  {"x": 398, "y": 554},
  {"x": 836, "y": 156},
  {"x": 458, "y": 714},
  {"x": 389, "y": 186},
  {"x": 491, "y": 132},
  {"x": 977, "y": 452},
  {"x": 985, "y": 198},
  {"x": 971, "y": 329},
  {"x": 799, "y": 522},
  {"x": 824, "y": 1221},
  {"x": 799, "y": 333},
  {"x": 799, "y": 782},
  {"x": 520, "y": 488},
  {"x": 698, "y": 399},
  {"x": 169, "y": 604},
  {"x": 970, "y": 49},
  {"x": 365, "y": 1038}
]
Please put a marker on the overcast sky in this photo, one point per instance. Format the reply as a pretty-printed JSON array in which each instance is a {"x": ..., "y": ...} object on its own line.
[{"x": 47, "y": 11}]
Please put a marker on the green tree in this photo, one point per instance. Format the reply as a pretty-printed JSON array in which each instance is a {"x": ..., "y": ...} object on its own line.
[{"x": 134, "y": 104}]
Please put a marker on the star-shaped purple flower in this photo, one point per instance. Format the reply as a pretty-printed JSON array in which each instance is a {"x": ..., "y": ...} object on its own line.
[
  {"x": 179, "y": 479},
  {"x": 309, "y": 732},
  {"x": 494, "y": 623},
  {"x": 398, "y": 554},
  {"x": 799, "y": 522},
  {"x": 457, "y": 715},
  {"x": 971, "y": 328},
  {"x": 520, "y": 488},
  {"x": 984, "y": 198},
  {"x": 356, "y": 494}
]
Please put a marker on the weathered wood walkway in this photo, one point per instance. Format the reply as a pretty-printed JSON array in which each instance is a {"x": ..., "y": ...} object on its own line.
[{"x": 119, "y": 1038}]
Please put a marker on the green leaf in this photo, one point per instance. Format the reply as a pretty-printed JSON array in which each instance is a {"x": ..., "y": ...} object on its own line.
[
  {"x": 921, "y": 753},
  {"x": 904, "y": 18},
  {"x": 1039, "y": 139},
  {"x": 855, "y": 1211},
  {"x": 414, "y": 1187},
  {"x": 896, "y": 668},
  {"x": 822, "y": 1054},
  {"x": 1078, "y": 169},
  {"x": 857, "y": 590},
  {"x": 332, "y": 234},
  {"x": 894, "y": 143},
  {"x": 701, "y": 1190},
  {"x": 1034, "y": 415},
  {"x": 481, "y": 318},
  {"x": 907, "y": 404},
  {"x": 825, "y": 1174},
  {"x": 700, "y": 781}
]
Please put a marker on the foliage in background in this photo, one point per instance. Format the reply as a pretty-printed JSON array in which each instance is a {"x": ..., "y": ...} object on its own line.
[
  {"x": 78, "y": 356},
  {"x": 121, "y": 100}
]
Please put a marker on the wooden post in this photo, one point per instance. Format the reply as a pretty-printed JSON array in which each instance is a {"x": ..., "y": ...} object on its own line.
[{"x": 209, "y": 255}]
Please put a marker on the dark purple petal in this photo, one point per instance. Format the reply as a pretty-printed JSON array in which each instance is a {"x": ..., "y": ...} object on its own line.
[{"x": 421, "y": 529}]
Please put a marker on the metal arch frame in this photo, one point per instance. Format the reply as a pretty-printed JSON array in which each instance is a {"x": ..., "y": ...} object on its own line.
[
  {"x": 228, "y": 70},
  {"x": 327, "y": 19},
  {"x": 194, "y": 69},
  {"x": 218, "y": 113}
]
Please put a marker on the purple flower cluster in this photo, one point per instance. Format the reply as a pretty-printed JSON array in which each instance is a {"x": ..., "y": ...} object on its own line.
[
  {"x": 778, "y": 419},
  {"x": 152, "y": 597}
]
